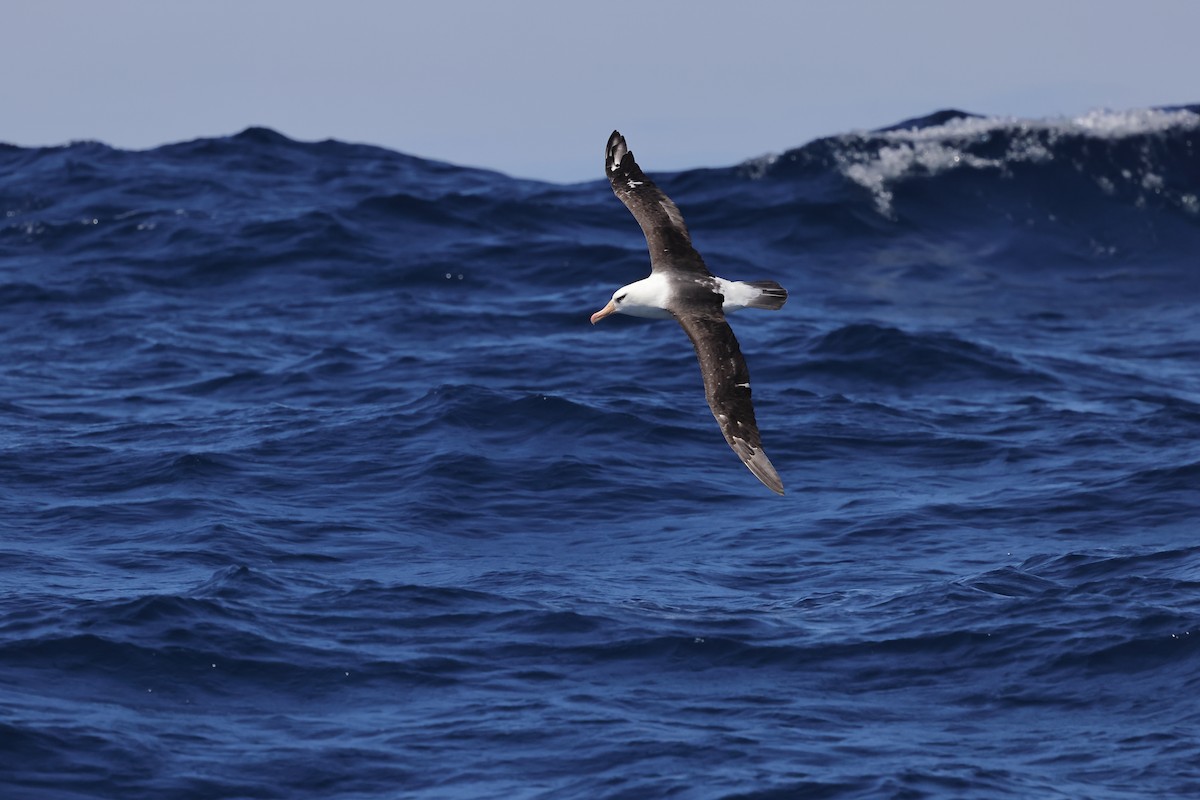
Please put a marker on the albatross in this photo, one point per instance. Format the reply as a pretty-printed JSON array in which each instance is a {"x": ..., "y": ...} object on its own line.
[{"x": 681, "y": 287}]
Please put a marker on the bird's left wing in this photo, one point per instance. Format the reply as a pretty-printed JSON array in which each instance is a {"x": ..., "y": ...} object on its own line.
[{"x": 727, "y": 388}]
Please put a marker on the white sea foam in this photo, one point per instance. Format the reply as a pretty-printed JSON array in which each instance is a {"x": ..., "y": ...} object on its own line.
[
  {"x": 907, "y": 152},
  {"x": 940, "y": 148},
  {"x": 1102, "y": 123}
]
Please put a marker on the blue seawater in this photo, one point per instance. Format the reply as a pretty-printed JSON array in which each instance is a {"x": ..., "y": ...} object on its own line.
[{"x": 317, "y": 483}]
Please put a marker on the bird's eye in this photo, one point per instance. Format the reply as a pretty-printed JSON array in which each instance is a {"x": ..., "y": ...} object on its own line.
[{"x": 619, "y": 299}]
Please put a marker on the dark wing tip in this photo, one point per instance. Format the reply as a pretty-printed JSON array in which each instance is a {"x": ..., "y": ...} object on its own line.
[
  {"x": 757, "y": 462},
  {"x": 614, "y": 152},
  {"x": 762, "y": 468}
]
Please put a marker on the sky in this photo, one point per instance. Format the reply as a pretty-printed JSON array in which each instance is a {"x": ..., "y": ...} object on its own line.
[{"x": 533, "y": 87}]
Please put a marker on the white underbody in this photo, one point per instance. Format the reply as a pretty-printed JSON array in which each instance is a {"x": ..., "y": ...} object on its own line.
[{"x": 650, "y": 297}]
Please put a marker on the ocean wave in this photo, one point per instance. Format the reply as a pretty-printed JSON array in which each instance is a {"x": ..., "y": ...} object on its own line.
[
  {"x": 1140, "y": 157},
  {"x": 882, "y": 355},
  {"x": 318, "y": 483}
]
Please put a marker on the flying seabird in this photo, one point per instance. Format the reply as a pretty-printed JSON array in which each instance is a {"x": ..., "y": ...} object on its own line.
[{"x": 681, "y": 287}]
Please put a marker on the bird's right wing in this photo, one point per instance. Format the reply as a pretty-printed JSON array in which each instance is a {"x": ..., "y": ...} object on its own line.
[{"x": 666, "y": 234}]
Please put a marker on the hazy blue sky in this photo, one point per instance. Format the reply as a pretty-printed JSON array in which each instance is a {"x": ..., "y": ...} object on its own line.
[{"x": 533, "y": 87}]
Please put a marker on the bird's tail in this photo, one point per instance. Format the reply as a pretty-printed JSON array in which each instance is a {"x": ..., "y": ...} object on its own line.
[{"x": 771, "y": 296}]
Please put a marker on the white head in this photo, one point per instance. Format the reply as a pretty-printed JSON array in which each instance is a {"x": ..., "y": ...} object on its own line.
[{"x": 645, "y": 298}]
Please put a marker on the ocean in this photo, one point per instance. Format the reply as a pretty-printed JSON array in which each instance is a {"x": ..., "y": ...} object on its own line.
[{"x": 317, "y": 482}]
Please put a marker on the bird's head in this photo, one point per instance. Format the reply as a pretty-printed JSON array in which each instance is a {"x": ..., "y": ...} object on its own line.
[
  {"x": 614, "y": 305},
  {"x": 648, "y": 297}
]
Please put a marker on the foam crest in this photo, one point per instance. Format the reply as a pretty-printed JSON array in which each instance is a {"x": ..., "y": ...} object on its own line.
[
  {"x": 877, "y": 160},
  {"x": 1104, "y": 123}
]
